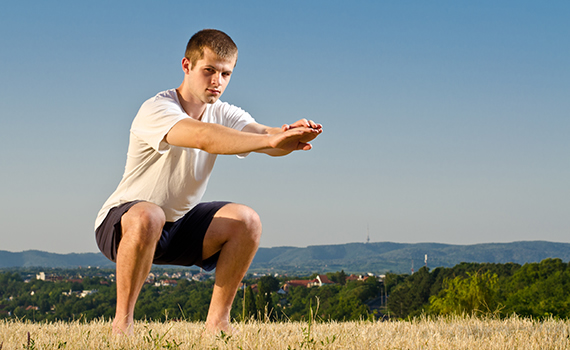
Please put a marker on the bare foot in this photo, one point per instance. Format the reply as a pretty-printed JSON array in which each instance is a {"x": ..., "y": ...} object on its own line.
[
  {"x": 216, "y": 328},
  {"x": 122, "y": 328}
]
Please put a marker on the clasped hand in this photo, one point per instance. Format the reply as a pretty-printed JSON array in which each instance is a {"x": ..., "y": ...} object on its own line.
[{"x": 297, "y": 136}]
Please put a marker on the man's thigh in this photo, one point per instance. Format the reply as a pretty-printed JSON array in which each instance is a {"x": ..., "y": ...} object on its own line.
[{"x": 182, "y": 241}]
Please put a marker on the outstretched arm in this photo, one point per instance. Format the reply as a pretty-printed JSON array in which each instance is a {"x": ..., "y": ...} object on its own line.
[{"x": 218, "y": 139}]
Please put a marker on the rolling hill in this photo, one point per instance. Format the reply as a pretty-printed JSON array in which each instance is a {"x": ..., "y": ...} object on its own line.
[{"x": 377, "y": 257}]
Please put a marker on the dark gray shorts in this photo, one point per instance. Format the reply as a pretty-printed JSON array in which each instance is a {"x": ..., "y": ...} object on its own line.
[{"x": 181, "y": 241}]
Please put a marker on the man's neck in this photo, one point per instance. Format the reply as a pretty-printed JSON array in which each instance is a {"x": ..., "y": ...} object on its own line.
[{"x": 193, "y": 107}]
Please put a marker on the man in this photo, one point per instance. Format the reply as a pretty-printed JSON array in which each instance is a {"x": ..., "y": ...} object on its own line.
[{"x": 155, "y": 214}]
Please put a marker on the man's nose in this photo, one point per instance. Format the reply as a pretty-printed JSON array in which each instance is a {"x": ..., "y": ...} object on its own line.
[{"x": 216, "y": 78}]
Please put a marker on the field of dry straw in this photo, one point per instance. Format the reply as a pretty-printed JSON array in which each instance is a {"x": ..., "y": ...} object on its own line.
[{"x": 421, "y": 333}]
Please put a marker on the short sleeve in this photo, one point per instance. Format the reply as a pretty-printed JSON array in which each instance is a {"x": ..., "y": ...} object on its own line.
[
  {"x": 155, "y": 119},
  {"x": 228, "y": 115}
]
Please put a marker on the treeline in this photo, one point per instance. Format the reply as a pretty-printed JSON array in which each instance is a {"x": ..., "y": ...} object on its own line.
[
  {"x": 40, "y": 300},
  {"x": 535, "y": 290}
]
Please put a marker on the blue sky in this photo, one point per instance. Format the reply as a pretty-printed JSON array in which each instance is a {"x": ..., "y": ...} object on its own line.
[{"x": 445, "y": 121}]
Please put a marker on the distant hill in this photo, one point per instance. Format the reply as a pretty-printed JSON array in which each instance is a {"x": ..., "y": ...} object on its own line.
[
  {"x": 351, "y": 257},
  {"x": 397, "y": 257},
  {"x": 36, "y": 258}
]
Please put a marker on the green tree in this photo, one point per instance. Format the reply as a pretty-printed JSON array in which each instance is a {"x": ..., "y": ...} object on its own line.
[
  {"x": 411, "y": 297},
  {"x": 337, "y": 277},
  {"x": 391, "y": 280},
  {"x": 475, "y": 294},
  {"x": 250, "y": 307},
  {"x": 268, "y": 284},
  {"x": 539, "y": 290},
  {"x": 264, "y": 302}
]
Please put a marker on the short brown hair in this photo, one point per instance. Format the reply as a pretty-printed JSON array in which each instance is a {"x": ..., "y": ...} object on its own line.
[{"x": 217, "y": 41}]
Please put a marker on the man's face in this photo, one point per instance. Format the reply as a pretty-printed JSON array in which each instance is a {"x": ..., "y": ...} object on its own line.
[{"x": 209, "y": 77}]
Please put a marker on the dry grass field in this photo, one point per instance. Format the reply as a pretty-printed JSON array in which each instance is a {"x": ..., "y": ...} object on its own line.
[{"x": 422, "y": 333}]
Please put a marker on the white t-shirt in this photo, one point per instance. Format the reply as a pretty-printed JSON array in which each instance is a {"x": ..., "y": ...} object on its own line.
[{"x": 172, "y": 177}]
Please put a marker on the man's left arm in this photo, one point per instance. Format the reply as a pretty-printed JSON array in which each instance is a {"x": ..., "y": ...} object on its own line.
[{"x": 262, "y": 129}]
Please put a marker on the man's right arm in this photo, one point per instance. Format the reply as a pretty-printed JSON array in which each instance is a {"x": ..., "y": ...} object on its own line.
[{"x": 218, "y": 139}]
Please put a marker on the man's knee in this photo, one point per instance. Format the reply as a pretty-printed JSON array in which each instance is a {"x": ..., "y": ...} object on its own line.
[
  {"x": 244, "y": 222},
  {"x": 143, "y": 223},
  {"x": 252, "y": 223}
]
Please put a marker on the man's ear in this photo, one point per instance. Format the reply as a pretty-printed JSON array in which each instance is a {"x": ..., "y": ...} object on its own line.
[{"x": 186, "y": 65}]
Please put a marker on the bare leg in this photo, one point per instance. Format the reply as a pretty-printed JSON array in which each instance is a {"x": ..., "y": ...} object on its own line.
[
  {"x": 141, "y": 229},
  {"x": 234, "y": 232}
]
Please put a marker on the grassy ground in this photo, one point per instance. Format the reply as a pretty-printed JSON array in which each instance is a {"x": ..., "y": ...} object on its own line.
[{"x": 423, "y": 333}]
